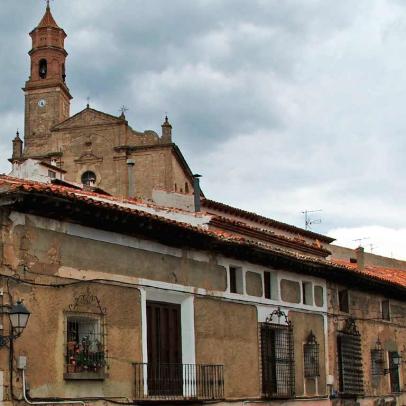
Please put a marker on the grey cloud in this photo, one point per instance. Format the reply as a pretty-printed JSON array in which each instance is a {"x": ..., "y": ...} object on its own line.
[{"x": 282, "y": 105}]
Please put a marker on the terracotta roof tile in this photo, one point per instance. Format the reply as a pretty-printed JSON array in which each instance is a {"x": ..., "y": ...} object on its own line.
[
  {"x": 211, "y": 204},
  {"x": 48, "y": 20},
  {"x": 390, "y": 275},
  {"x": 7, "y": 184}
]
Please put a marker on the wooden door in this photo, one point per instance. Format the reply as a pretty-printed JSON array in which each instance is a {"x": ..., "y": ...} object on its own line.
[{"x": 165, "y": 372}]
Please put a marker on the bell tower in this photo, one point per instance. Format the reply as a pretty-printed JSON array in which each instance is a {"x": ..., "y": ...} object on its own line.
[{"x": 47, "y": 97}]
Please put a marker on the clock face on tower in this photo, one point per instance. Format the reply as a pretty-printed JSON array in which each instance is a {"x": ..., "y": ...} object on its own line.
[{"x": 42, "y": 103}]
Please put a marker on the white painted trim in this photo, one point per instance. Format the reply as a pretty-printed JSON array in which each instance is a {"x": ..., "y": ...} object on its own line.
[
  {"x": 186, "y": 302},
  {"x": 88, "y": 274},
  {"x": 1, "y": 386}
]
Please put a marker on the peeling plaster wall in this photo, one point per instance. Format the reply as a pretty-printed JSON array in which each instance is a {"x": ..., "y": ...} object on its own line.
[
  {"x": 225, "y": 325},
  {"x": 366, "y": 309}
]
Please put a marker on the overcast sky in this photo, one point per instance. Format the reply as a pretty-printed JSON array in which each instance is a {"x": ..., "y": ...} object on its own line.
[{"x": 281, "y": 105}]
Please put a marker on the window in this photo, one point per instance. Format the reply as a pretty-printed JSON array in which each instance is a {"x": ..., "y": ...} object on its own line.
[
  {"x": 85, "y": 346},
  {"x": 186, "y": 187},
  {"x": 51, "y": 174},
  {"x": 343, "y": 301},
  {"x": 311, "y": 357},
  {"x": 307, "y": 291},
  {"x": 377, "y": 362},
  {"x": 319, "y": 296},
  {"x": 89, "y": 178},
  {"x": 270, "y": 285},
  {"x": 277, "y": 354},
  {"x": 267, "y": 285},
  {"x": 385, "y": 310},
  {"x": 394, "y": 372},
  {"x": 350, "y": 360},
  {"x": 43, "y": 68},
  {"x": 236, "y": 280}
]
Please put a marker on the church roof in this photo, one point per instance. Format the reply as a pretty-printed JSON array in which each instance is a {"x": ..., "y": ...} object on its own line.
[{"x": 48, "y": 20}]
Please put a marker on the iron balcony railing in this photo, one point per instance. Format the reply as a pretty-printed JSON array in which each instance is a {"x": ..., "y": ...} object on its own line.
[{"x": 178, "y": 382}]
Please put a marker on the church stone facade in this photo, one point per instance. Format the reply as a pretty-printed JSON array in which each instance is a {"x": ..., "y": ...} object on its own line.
[{"x": 95, "y": 148}]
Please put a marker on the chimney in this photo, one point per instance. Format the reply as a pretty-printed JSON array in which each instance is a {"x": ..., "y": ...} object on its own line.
[
  {"x": 360, "y": 258},
  {"x": 197, "y": 191},
  {"x": 131, "y": 178},
  {"x": 17, "y": 147}
]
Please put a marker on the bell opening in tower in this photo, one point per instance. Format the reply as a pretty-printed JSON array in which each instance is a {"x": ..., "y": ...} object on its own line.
[{"x": 43, "y": 68}]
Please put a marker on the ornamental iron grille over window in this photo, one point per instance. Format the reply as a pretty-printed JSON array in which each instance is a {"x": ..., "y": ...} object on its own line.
[
  {"x": 278, "y": 366},
  {"x": 85, "y": 338},
  {"x": 311, "y": 357},
  {"x": 378, "y": 359},
  {"x": 350, "y": 360}
]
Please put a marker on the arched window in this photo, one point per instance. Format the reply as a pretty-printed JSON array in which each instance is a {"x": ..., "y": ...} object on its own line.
[
  {"x": 43, "y": 68},
  {"x": 186, "y": 187},
  {"x": 89, "y": 178},
  {"x": 63, "y": 72}
]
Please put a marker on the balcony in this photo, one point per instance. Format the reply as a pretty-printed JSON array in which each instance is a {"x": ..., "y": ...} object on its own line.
[{"x": 178, "y": 382}]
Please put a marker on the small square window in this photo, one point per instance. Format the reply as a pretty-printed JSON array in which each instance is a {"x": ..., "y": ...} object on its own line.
[
  {"x": 343, "y": 301},
  {"x": 51, "y": 174},
  {"x": 307, "y": 291},
  {"x": 385, "y": 310},
  {"x": 236, "y": 280}
]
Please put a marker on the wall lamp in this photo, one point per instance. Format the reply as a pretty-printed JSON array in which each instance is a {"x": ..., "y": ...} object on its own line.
[
  {"x": 396, "y": 361},
  {"x": 18, "y": 315}
]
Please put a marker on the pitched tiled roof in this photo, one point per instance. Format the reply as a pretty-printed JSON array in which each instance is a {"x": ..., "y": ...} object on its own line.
[
  {"x": 390, "y": 275},
  {"x": 48, "y": 20},
  {"x": 138, "y": 209},
  {"x": 211, "y": 204},
  {"x": 295, "y": 243}
]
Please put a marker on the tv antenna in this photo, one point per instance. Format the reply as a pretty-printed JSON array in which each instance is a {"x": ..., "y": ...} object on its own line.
[
  {"x": 359, "y": 240},
  {"x": 372, "y": 247},
  {"x": 309, "y": 221}
]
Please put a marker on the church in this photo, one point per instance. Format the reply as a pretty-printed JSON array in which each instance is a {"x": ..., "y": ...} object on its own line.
[
  {"x": 121, "y": 283},
  {"x": 95, "y": 149}
]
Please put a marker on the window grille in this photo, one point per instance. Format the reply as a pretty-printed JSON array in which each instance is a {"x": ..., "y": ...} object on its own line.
[
  {"x": 85, "y": 338},
  {"x": 378, "y": 361},
  {"x": 311, "y": 352},
  {"x": 85, "y": 344},
  {"x": 350, "y": 360},
  {"x": 278, "y": 367}
]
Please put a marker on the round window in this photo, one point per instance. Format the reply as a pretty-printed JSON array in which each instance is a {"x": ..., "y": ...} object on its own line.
[{"x": 89, "y": 178}]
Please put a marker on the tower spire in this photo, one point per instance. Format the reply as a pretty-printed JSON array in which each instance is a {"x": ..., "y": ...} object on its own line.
[{"x": 48, "y": 20}]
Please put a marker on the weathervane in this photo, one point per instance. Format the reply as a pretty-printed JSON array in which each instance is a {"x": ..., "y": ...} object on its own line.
[{"x": 123, "y": 109}]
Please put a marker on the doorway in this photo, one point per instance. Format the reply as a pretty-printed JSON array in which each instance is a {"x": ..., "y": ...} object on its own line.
[{"x": 165, "y": 370}]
